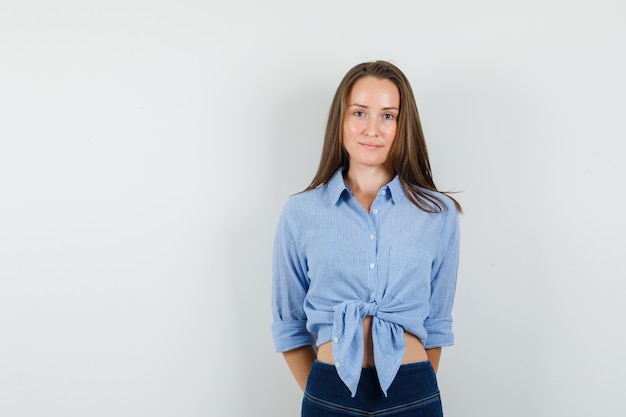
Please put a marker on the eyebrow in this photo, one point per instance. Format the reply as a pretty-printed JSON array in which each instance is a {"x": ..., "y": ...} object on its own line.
[{"x": 367, "y": 107}]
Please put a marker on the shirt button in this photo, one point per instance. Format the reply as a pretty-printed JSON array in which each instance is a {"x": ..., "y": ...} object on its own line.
[
  {"x": 372, "y": 236},
  {"x": 372, "y": 265},
  {"x": 337, "y": 365},
  {"x": 375, "y": 211},
  {"x": 336, "y": 340},
  {"x": 373, "y": 295},
  {"x": 383, "y": 192}
]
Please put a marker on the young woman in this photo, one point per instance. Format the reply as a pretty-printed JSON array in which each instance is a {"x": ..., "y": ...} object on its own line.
[{"x": 365, "y": 260}]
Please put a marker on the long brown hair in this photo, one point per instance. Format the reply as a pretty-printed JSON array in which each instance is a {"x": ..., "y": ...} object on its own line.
[{"x": 409, "y": 156}]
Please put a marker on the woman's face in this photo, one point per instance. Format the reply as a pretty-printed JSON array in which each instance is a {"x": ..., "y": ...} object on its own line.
[{"x": 370, "y": 122}]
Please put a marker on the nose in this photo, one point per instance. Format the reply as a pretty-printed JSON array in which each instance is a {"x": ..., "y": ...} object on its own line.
[{"x": 371, "y": 128}]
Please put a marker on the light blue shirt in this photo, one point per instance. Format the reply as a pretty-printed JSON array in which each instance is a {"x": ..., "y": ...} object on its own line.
[{"x": 334, "y": 263}]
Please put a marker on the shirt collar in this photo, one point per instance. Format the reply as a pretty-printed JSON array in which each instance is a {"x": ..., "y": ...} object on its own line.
[
  {"x": 336, "y": 186},
  {"x": 395, "y": 189}
]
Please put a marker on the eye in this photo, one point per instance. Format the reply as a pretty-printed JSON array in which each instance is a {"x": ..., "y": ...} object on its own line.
[
  {"x": 359, "y": 113},
  {"x": 389, "y": 116}
]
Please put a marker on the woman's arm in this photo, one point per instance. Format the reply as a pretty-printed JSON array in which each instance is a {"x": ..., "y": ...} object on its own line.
[
  {"x": 434, "y": 355},
  {"x": 300, "y": 362}
]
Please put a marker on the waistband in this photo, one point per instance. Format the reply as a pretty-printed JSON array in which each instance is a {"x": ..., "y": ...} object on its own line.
[{"x": 414, "y": 383}]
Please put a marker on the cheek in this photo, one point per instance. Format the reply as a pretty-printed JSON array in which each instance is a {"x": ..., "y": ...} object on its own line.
[
  {"x": 345, "y": 133},
  {"x": 350, "y": 129},
  {"x": 390, "y": 129}
]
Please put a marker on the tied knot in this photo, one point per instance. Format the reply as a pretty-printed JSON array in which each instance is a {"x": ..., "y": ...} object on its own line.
[
  {"x": 348, "y": 347},
  {"x": 372, "y": 309}
]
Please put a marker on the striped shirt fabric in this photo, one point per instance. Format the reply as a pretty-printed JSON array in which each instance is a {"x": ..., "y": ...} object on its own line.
[{"x": 334, "y": 264}]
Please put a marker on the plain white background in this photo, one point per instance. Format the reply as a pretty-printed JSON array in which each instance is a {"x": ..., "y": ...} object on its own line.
[{"x": 146, "y": 148}]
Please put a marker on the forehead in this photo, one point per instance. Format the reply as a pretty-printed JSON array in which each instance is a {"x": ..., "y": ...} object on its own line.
[{"x": 372, "y": 90}]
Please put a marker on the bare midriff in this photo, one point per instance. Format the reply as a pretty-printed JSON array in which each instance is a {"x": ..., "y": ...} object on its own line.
[{"x": 414, "y": 350}]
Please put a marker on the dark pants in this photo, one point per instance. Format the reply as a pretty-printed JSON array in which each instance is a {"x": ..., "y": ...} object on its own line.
[{"x": 413, "y": 393}]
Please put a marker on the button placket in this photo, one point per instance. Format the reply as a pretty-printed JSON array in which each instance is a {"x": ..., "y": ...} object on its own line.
[
  {"x": 381, "y": 201},
  {"x": 373, "y": 276}
]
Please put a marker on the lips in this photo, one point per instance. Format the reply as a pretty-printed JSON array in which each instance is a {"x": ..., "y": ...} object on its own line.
[{"x": 370, "y": 145}]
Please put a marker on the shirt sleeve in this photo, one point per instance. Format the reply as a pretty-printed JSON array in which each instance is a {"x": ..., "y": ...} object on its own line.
[
  {"x": 438, "y": 324},
  {"x": 289, "y": 287}
]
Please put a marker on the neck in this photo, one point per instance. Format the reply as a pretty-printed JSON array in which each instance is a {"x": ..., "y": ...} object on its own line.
[{"x": 367, "y": 180}]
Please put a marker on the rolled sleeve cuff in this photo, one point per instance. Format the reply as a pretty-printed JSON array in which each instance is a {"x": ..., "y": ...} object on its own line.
[
  {"x": 439, "y": 333},
  {"x": 290, "y": 335}
]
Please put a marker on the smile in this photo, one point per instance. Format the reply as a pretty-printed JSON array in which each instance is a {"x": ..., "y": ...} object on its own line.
[{"x": 371, "y": 146}]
